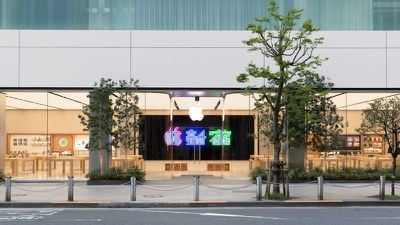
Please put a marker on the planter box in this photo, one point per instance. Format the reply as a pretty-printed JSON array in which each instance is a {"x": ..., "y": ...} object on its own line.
[{"x": 107, "y": 182}]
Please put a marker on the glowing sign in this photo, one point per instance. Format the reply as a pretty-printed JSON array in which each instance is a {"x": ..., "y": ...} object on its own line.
[
  {"x": 195, "y": 136},
  {"x": 217, "y": 137},
  {"x": 63, "y": 142},
  {"x": 173, "y": 137}
]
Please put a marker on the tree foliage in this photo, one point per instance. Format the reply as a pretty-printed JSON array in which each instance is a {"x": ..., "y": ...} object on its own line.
[
  {"x": 111, "y": 124},
  {"x": 97, "y": 116},
  {"x": 291, "y": 87},
  {"x": 127, "y": 112},
  {"x": 383, "y": 118}
]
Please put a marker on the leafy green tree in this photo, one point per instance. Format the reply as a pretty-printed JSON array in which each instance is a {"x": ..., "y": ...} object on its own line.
[
  {"x": 98, "y": 119},
  {"x": 292, "y": 52},
  {"x": 312, "y": 116},
  {"x": 383, "y": 118},
  {"x": 127, "y": 112}
]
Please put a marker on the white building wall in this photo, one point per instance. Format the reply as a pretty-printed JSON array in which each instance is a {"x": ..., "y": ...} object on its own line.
[{"x": 206, "y": 59}]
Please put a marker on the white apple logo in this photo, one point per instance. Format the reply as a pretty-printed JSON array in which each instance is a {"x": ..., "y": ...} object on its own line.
[{"x": 196, "y": 113}]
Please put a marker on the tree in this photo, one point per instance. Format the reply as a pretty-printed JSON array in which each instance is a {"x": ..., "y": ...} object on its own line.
[
  {"x": 312, "y": 116},
  {"x": 383, "y": 118},
  {"x": 127, "y": 112},
  {"x": 98, "y": 119},
  {"x": 293, "y": 54}
]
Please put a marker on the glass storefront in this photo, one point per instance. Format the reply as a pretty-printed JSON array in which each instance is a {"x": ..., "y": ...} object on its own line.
[{"x": 45, "y": 140}]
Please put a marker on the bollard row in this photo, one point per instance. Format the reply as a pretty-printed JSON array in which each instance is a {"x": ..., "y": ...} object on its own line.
[
  {"x": 320, "y": 188},
  {"x": 196, "y": 192}
]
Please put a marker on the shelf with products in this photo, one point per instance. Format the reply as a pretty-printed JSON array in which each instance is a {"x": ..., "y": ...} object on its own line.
[
  {"x": 59, "y": 144},
  {"x": 40, "y": 140},
  {"x": 373, "y": 144},
  {"x": 347, "y": 142}
]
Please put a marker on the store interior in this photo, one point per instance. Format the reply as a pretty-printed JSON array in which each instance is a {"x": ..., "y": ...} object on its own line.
[{"x": 45, "y": 140}]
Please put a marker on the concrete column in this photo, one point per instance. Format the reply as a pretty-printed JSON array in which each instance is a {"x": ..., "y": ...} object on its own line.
[{"x": 3, "y": 136}]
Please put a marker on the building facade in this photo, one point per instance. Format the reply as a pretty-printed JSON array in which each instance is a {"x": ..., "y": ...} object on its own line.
[{"x": 52, "y": 52}]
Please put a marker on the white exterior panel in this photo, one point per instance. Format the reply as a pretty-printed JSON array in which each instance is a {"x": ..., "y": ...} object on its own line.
[
  {"x": 393, "y": 68},
  {"x": 393, "y": 39},
  {"x": 8, "y": 67},
  {"x": 189, "y": 38},
  {"x": 72, "y": 67},
  {"x": 52, "y": 58},
  {"x": 352, "y": 39},
  {"x": 191, "y": 67},
  {"x": 354, "y": 68},
  {"x": 78, "y": 38},
  {"x": 8, "y": 38}
]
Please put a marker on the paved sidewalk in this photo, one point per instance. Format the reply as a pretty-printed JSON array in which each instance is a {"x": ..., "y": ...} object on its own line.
[{"x": 180, "y": 192}]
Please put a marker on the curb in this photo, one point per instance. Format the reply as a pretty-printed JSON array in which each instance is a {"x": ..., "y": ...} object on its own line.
[{"x": 323, "y": 203}]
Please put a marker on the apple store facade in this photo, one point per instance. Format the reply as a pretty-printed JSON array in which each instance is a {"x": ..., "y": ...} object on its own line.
[{"x": 186, "y": 56}]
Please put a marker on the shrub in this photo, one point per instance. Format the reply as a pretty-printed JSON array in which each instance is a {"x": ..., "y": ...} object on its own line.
[
  {"x": 277, "y": 196},
  {"x": 258, "y": 171},
  {"x": 341, "y": 174},
  {"x": 1, "y": 175},
  {"x": 115, "y": 173},
  {"x": 135, "y": 172}
]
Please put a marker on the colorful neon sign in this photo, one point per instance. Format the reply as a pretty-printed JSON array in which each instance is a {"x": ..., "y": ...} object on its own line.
[
  {"x": 219, "y": 137},
  {"x": 195, "y": 136},
  {"x": 173, "y": 137}
]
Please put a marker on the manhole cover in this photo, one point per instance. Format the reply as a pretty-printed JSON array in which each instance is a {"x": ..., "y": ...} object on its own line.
[{"x": 152, "y": 196}]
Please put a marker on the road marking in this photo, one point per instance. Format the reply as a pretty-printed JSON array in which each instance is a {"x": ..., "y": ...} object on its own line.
[
  {"x": 25, "y": 214},
  {"x": 242, "y": 216},
  {"x": 75, "y": 220},
  {"x": 383, "y": 218},
  {"x": 211, "y": 214}
]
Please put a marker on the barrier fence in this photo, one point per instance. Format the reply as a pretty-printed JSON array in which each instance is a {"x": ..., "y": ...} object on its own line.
[{"x": 196, "y": 184}]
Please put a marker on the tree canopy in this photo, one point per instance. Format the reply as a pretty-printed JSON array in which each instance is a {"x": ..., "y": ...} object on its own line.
[{"x": 290, "y": 86}]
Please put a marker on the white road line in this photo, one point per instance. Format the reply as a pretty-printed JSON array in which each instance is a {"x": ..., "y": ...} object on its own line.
[
  {"x": 75, "y": 220},
  {"x": 242, "y": 216},
  {"x": 211, "y": 214},
  {"x": 382, "y": 218}
]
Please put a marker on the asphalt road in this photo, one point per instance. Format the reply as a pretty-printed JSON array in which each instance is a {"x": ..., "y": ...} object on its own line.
[{"x": 207, "y": 216}]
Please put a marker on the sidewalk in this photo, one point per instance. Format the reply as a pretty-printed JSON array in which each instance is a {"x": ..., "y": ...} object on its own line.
[{"x": 179, "y": 192}]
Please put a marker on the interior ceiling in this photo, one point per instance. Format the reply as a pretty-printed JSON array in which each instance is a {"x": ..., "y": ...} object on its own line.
[{"x": 61, "y": 100}]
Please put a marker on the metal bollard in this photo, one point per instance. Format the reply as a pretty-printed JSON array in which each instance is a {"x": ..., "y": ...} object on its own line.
[
  {"x": 320, "y": 188},
  {"x": 133, "y": 188},
  {"x": 8, "y": 189},
  {"x": 382, "y": 187},
  {"x": 71, "y": 188},
  {"x": 196, "y": 188},
  {"x": 259, "y": 188}
]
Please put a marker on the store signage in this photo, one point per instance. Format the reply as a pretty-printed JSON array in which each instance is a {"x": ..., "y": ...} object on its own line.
[
  {"x": 217, "y": 137},
  {"x": 196, "y": 136},
  {"x": 173, "y": 137}
]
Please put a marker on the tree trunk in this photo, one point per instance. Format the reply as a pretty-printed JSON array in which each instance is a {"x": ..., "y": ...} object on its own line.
[
  {"x": 277, "y": 148},
  {"x": 275, "y": 169},
  {"x": 393, "y": 173}
]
